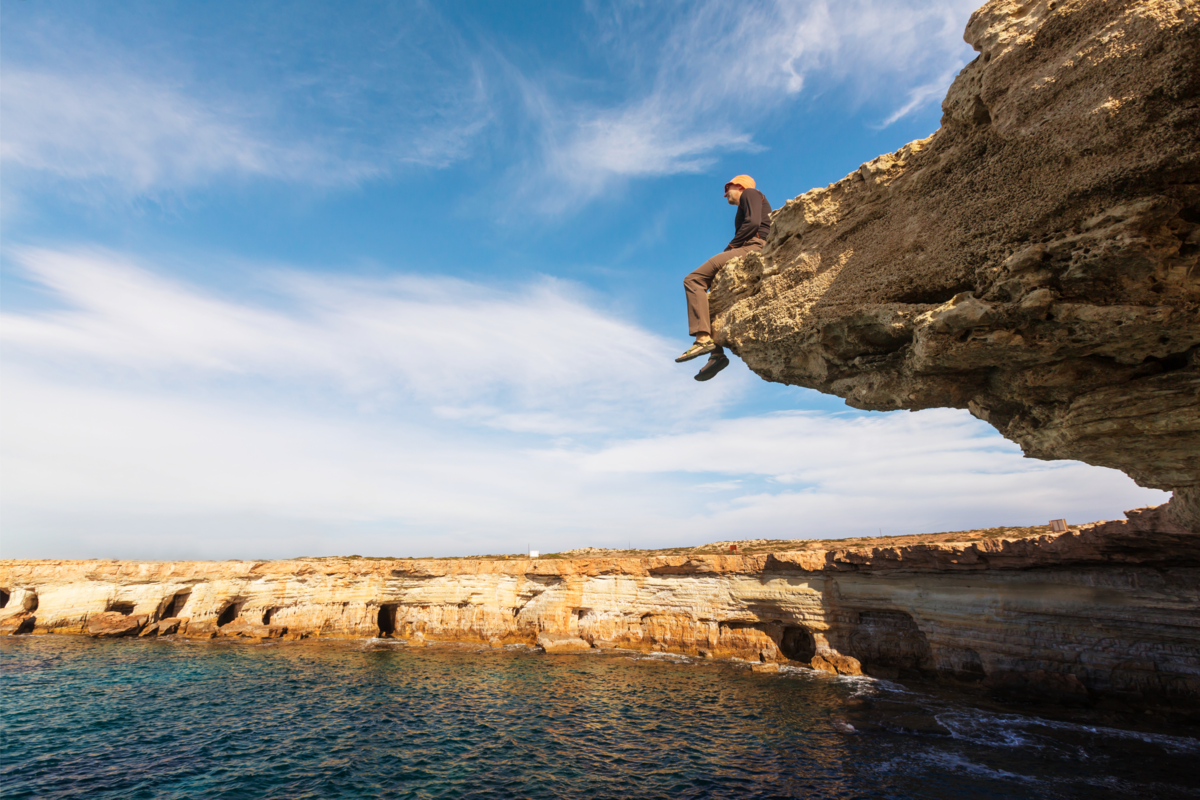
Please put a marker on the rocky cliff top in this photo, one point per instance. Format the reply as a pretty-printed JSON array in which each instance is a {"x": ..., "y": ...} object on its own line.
[
  {"x": 1036, "y": 260},
  {"x": 1147, "y": 537}
]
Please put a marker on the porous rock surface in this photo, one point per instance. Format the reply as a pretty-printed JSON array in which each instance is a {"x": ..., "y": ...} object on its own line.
[
  {"x": 1108, "y": 610},
  {"x": 114, "y": 624},
  {"x": 1036, "y": 260}
]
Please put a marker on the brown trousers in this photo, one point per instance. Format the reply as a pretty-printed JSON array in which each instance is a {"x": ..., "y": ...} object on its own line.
[{"x": 695, "y": 286}]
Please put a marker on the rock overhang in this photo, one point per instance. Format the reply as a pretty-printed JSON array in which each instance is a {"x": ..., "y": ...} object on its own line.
[{"x": 1035, "y": 261}]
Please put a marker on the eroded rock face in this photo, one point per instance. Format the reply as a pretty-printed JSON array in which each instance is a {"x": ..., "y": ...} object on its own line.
[
  {"x": 113, "y": 624},
  {"x": 1113, "y": 608},
  {"x": 552, "y": 643},
  {"x": 249, "y": 629},
  {"x": 1036, "y": 260},
  {"x": 164, "y": 627},
  {"x": 16, "y": 624}
]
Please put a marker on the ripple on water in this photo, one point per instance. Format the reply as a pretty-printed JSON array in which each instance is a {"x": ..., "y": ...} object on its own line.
[{"x": 145, "y": 719}]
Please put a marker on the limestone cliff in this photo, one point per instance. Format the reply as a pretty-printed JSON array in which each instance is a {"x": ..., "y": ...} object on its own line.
[
  {"x": 1036, "y": 260},
  {"x": 1110, "y": 610}
]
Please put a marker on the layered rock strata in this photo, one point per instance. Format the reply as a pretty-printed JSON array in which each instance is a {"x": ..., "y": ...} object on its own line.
[
  {"x": 1036, "y": 260},
  {"x": 1111, "y": 610}
]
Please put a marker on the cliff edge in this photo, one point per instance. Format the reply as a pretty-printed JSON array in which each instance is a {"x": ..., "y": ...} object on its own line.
[
  {"x": 1036, "y": 260},
  {"x": 1106, "y": 613}
]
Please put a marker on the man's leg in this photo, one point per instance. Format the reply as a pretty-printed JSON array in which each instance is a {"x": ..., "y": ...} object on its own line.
[{"x": 695, "y": 287}]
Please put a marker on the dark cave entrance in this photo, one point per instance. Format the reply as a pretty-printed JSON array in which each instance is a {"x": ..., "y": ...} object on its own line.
[
  {"x": 3, "y": 598},
  {"x": 228, "y": 614},
  {"x": 268, "y": 615},
  {"x": 387, "y": 619},
  {"x": 121, "y": 608},
  {"x": 797, "y": 643},
  {"x": 175, "y": 605}
]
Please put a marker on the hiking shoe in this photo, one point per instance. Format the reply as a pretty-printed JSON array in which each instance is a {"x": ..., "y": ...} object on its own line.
[
  {"x": 696, "y": 350},
  {"x": 716, "y": 362}
]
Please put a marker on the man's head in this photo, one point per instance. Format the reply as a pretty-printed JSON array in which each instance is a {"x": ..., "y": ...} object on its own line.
[{"x": 735, "y": 187}]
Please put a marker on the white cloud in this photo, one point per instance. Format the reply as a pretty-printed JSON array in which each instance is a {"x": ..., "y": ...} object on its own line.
[
  {"x": 718, "y": 486},
  {"x": 135, "y": 137},
  {"x": 91, "y": 471},
  {"x": 718, "y": 68},
  {"x": 146, "y": 417},
  {"x": 131, "y": 133},
  {"x": 807, "y": 474},
  {"x": 920, "y": 97},
  {"x": 554, "y": 361},
  {"x": 346, "y": 99},
  {"x": 639, "y": 143},
  {"x": 113, "y": 459},
  {"x": 824, "y": 448},
  {"x": 317, "y": 97}
]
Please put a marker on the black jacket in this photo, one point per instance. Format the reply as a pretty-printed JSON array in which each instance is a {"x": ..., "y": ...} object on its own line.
[{"x": 753, "y": 219}]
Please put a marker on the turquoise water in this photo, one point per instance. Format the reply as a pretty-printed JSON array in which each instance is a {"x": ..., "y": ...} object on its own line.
[{"x": 171, "y": 719}]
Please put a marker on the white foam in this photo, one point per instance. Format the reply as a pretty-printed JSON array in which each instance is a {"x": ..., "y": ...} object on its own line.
[
  {"x": 978, "y": 728},
  {"x": 1178, "y": 744},
  {"x": 955, "y": 762}
]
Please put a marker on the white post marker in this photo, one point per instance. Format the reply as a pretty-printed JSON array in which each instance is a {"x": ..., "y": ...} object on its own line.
[{"x": 533, "y": 553}]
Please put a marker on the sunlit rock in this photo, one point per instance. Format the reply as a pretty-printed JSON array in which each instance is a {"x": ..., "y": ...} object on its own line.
[
  {"x": 114, "y": 624},
  {"x": 1111, "y": 607}
]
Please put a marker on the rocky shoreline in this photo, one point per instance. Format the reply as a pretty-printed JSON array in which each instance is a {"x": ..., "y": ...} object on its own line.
[{"x": 1105, "y": 612}]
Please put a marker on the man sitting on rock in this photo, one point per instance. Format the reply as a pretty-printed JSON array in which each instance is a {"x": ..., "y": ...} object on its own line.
[{"x": 751, "y": 226}]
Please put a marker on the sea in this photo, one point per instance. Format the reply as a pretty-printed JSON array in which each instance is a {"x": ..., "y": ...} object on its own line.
[{"x": 128, "y": 719}]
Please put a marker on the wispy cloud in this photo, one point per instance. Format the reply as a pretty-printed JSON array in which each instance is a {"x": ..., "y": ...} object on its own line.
[
  {"x": 137, "y": 137},
  {"x": 807, "y": 474},
  {"x": 144, "y": 416},
  {"x": 551, "y": 359},
  {"x": 353, "y": 97},
  {"x": 920, "y": 97},
  {"x": 826, "y": 448},
  {"x": 116, "y": 116},
  {"x": 720, "y": 68},
  {"x": 148, "y": 472}
]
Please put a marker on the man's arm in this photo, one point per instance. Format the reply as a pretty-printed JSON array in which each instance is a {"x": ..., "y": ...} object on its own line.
[{"x": 750, "y": 211}]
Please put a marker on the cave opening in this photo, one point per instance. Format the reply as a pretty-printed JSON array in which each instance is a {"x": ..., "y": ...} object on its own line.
[
  {"x": 4, "y": 595},
  {"x": 120, "y": 608},
  {"x": 1171, "y": 361},
  {"x": 387, "y": 620},
  {"x": 175, "y": 605},
  {"x": 228, "y": 614},
  {"x": 890, "y": 644},
  {"x": 797, "y": 643},
  {"x": 268, "y": 614}
]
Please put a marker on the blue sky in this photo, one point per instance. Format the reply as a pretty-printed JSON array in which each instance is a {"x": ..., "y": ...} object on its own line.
[{"x": 404, "y": 279}]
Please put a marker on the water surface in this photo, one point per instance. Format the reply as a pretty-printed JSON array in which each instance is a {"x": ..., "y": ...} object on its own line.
[{"x": 173, "y": 719}]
